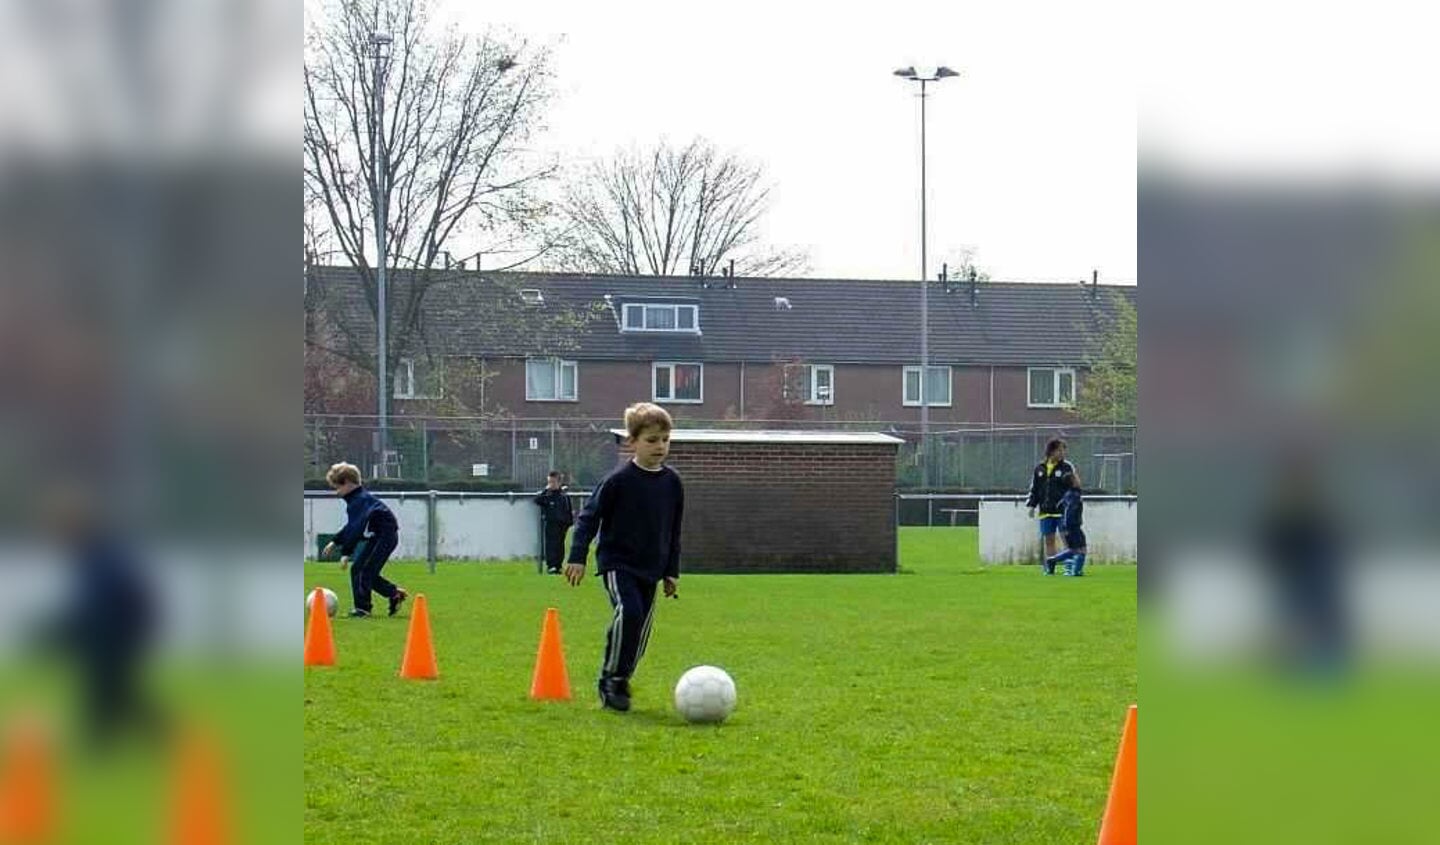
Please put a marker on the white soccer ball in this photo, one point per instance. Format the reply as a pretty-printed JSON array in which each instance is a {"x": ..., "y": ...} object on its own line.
[
  {"x": 705, "y": 694},
  {"x": 332, "y": 601}
]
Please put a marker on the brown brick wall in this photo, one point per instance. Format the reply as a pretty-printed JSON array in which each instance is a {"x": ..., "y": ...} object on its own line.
[
  {"x": 859, "y": 388},
  {"x": 606, "y": 387},
  {"x": 1012, "y": 392},
  {"x": 761, "y": 507}
]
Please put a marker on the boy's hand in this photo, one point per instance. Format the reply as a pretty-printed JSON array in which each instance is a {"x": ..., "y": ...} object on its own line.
[
  {"x": 671, "y": 587},
  {"x": 574, "y": 573},
  {"x": 328, "y": 550},
  {"x": 344, "y": 563},
  {"x": 1031, "y": 512}
]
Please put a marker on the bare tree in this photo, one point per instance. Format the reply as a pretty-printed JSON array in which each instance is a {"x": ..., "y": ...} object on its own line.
[
  {"x": 447, "y": 165},
  {"x": 784, "y": 389},
  {"x": 671, "y": 211},
  {"x": 961, "y": 266}
]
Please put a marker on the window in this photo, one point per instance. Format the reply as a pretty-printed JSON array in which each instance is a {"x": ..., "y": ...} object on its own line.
[
  {"x": 822, "y": 384},
  {"x": 550, "y": 380},
  {"x": 645, "y": 317},
  {"x": 938, "y": 389},
  {"x": 1052, "y": 387},
  {"x": 405, "y": 379},
  {"x": 678, "y": 383},
  {"x": 414, "y": 380},
  {"x": 813, "y": 384}
]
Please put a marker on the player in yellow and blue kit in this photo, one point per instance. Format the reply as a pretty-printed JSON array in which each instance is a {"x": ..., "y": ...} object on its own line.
[{"x": 1050, "y": 480}]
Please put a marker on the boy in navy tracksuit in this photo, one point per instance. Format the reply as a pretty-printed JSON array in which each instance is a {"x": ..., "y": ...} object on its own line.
[
  {"x": 109, "y": 624},
  {"x": 1072, "y": 516},
  {"x": 636, "y": 511},
  {"x": 555, "y": 519},
  {"x": 365, "y": 513}
]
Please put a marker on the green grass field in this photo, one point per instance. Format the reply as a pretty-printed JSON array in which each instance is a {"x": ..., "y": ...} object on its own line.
[{"x": 949, "y": 703}]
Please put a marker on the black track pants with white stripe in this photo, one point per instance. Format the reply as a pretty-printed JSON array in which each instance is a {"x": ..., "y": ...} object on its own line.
[{"x": 633, "y": 600}]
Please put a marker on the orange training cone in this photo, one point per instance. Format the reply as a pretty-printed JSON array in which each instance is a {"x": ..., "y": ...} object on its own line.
[
  {"x": 1118, "y": 827},
  {"x": 419, "y": 661},
  {"x": 319, "y": 645},
  {"x": 201, "y": 811},
  {"x": 551, "y": 681},
  {"x": 27, "y": 787}
]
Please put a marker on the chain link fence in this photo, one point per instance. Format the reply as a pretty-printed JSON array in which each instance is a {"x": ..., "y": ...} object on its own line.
[{"x": 436, "y": 453}]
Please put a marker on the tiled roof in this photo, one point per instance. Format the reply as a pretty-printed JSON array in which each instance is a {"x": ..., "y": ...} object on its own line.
[{"x": 764, "y": 319}]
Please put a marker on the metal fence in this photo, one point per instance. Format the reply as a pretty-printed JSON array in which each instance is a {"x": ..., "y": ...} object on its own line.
[
  {"x": 519, "y": 451},
  {"x": 938, "y": 510}
]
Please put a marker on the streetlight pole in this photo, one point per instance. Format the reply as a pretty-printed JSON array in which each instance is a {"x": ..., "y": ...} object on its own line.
[
  {"x": 909, "y": 73},
  {"x": 924, "y": 314},
  {"x": 380, "y": 42}
]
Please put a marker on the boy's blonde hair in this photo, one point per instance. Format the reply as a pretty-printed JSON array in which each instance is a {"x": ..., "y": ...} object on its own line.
[
  {"x": 642, "y": 415},
  {"x": 341, "y": 473}
]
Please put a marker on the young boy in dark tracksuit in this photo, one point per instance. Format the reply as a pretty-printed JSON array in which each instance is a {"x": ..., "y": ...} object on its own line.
[
  {"x": 365, "y": 513},
  {"x": 555, "y": 519},
  {"x": 636, "y": 511},
  {"x": 1072, "y": 516}
]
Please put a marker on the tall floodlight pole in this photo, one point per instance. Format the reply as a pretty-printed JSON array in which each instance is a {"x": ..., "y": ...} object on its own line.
[
  {"x": 909, "y": 73},
  {"x": 380, "y": 50}
]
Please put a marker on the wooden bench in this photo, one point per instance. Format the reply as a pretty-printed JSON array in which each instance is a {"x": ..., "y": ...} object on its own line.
[{"x": 955, "y": 512}]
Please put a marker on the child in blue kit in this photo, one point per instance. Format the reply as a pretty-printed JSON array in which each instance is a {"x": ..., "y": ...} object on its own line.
[
  {"x": 1072, "y": 517},
  {"x": 371, "y": 534}
]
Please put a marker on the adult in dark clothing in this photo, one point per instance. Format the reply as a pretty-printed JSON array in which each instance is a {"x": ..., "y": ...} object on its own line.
[
  {"x": 1051, "y": 479},
  {"x": 1305, "y": 549}
]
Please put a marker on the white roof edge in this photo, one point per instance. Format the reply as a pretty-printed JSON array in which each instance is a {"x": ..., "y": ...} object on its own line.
[{"x": 712, "y": 435}]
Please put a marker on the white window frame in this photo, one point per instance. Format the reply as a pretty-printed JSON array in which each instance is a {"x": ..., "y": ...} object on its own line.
[
  {"x": 1055, "y": 387},
  {"x": 403, "y": 381},
  {"x": 949, "y": 386},
  {"x": 815, "y": 398},
  {"x": 674, "y": 308},
  {"x": 671, "y": 365},
  {"x": 560, "y": 365}
]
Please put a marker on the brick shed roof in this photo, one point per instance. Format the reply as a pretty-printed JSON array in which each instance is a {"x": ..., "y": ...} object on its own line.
[{"x": 704, "y": 435}]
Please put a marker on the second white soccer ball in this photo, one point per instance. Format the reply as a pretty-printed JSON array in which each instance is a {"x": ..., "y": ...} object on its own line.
[
  {"x": 705, "y": 694},
  {"x": 332, "y": 601}
]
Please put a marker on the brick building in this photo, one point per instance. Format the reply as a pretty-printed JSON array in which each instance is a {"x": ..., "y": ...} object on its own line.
[
  {"x": 785, "y": 501},
  {"x": 740, "y": 348}
]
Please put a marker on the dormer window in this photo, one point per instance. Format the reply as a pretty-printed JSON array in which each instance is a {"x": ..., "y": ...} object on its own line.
[{"x": 661, "y": 317}]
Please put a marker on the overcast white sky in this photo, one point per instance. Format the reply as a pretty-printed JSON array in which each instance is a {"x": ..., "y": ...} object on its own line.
[{"x": 1032, "y": 148}]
